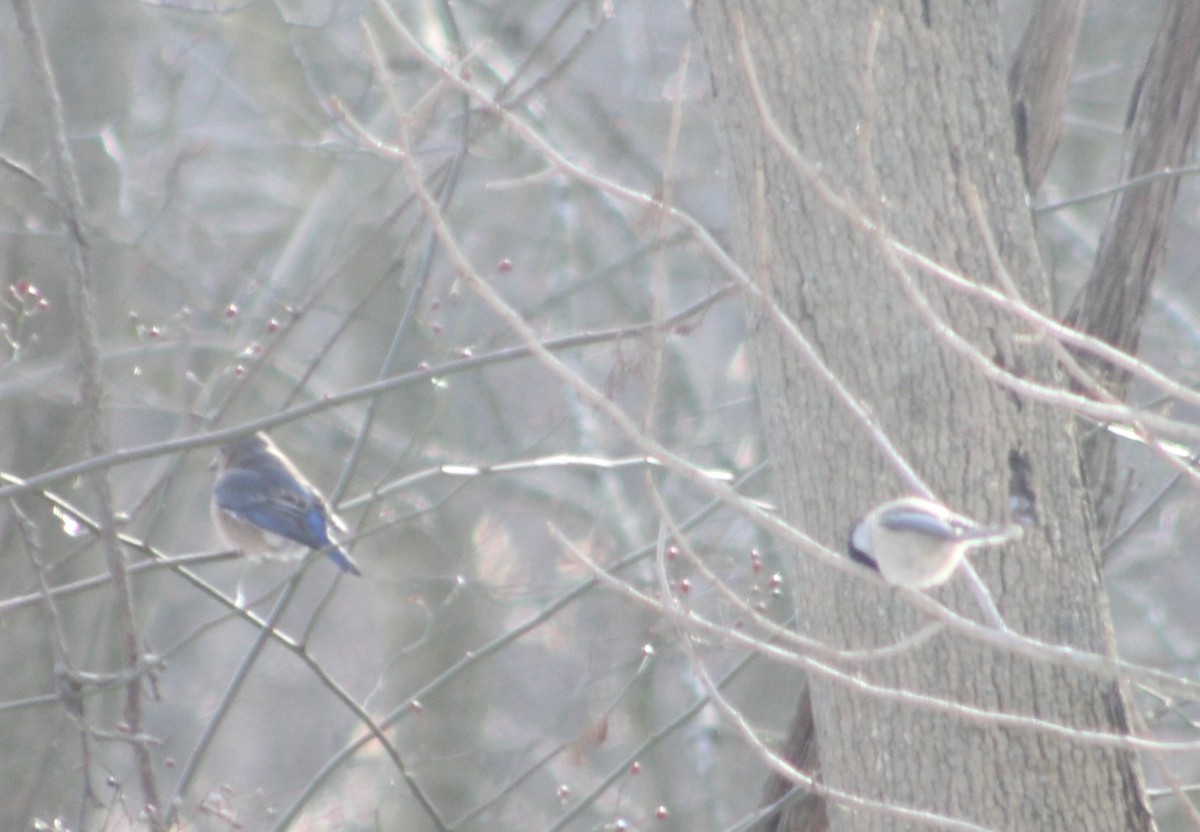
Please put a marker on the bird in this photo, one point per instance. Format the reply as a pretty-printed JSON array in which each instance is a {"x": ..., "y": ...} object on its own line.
[
  {"x": 263, "y": 506},
  {"x": 918, "y": 543}
]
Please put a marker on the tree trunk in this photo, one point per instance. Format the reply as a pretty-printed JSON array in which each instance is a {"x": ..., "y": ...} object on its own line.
[
  {"x": 1158, "y": 137},
  {"x": 904, "y": 108}
]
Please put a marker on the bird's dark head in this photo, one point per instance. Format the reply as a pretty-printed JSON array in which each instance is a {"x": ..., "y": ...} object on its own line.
[
  {"x": 240, "y": 450},
  {"x": 859, "y": 545}
]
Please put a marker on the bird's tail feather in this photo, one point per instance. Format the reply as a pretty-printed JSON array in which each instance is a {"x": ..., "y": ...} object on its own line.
[{"x": 342, "y": 560}]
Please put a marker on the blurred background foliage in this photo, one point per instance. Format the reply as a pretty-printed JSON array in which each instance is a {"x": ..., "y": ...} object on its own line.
[{"x": 252, "y": 251}]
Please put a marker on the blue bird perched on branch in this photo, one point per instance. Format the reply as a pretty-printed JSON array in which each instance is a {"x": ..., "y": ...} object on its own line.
[{"x": 263, "y": 506}]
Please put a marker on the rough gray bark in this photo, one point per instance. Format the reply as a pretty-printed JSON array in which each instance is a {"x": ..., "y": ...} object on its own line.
[
  {"x": 801, "y": 812},
  {"x": 905, "y": 109},
  {"x": 1159, "y": 136},
  {"x": 1162, "y": 122},
  {"x": 1038, "y": 83}
]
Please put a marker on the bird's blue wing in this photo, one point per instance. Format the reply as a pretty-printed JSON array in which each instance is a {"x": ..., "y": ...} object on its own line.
[
  {"x": 287, "y": 509},
  {"x": 904, "y": 518}
]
